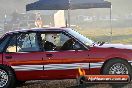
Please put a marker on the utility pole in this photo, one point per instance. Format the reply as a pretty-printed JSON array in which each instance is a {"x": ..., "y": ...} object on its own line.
[
  {"x": 5, "y": 19},
  {"x": 111, "y": 31}
]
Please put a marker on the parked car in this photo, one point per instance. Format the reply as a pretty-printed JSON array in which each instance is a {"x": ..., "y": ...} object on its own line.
[{"x": 57, "y": 53}]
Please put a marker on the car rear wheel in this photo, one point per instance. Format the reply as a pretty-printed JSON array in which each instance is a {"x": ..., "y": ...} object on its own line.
[
  {"x": 7, "y": 78},
  {"x": 117, "y": 66}
]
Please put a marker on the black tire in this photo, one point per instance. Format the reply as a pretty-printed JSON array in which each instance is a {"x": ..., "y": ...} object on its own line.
[
  {"x": 113, "y": 62},
  {"x": 10, "y": 76},
  {"x": 19, "y": 83}
]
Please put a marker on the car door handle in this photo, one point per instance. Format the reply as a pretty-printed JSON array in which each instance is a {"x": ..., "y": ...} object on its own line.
[
  {"x": 49, "y": 55},
  {"x": 8, "y": 57}
]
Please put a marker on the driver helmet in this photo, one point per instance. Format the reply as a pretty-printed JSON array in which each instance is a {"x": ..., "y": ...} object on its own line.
[{"x": 51, "y": 38}]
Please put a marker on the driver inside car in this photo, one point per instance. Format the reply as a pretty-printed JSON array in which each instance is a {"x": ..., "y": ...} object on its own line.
[{"x": 68, "y": 45}]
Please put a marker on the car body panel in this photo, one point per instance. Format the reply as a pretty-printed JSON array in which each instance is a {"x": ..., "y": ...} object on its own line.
[{"x": 64, "y": 62}]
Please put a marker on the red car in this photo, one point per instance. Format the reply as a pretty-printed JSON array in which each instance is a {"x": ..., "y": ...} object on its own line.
[{"x": 57, "y": 53}]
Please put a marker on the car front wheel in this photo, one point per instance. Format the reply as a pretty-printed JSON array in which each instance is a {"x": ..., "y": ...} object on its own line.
[{"x": 117, "y": 66}]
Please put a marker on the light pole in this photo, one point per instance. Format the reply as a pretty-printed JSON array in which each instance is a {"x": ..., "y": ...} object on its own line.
[{"x": 69, "y": 18}]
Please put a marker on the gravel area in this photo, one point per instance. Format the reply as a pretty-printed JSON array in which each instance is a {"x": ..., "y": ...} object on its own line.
[{"x": 64, "y": 84}]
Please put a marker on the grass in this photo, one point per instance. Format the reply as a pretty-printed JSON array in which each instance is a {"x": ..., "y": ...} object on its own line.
[{"x": 123, "y": 35}]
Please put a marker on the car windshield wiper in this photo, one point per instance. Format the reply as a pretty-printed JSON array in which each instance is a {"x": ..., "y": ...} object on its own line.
[
  {"x": 101, "y": 43},
  {"x": 98, "y": 43}
]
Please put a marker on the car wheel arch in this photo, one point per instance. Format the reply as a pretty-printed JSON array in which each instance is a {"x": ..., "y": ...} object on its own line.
[
  {"x": 105, "y": 62},
  {"x": 9, "y": 68}
]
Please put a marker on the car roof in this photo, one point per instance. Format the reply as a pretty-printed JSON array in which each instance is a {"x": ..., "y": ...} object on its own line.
[{"x": 37, "y": 30}]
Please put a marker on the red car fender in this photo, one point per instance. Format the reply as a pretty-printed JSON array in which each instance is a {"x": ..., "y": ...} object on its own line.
[{"x": 120, "y": 56}]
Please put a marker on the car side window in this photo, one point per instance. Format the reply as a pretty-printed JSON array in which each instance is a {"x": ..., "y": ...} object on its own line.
[
  {"x": 12, "y": 45},
  {"x": 24, "y": 42},
  {"x": 27, "y": 43},
  {"x": 4, "y": 43},
  {"x": 58, "y": 42}
]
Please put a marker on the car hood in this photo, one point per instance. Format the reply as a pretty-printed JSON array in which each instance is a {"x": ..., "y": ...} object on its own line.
[{"x": 119, "y": 46}]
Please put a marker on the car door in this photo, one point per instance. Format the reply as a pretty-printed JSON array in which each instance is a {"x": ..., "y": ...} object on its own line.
[
  {"x": 62, "y": 57},
  {"x": 23, "y": 55}
]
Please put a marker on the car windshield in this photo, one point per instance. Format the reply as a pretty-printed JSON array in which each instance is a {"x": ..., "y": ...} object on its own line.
[{"x": 81, "y": 38}]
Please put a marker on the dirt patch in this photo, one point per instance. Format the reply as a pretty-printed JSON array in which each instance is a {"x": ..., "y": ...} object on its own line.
[{"x": 68, "y": 83}]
